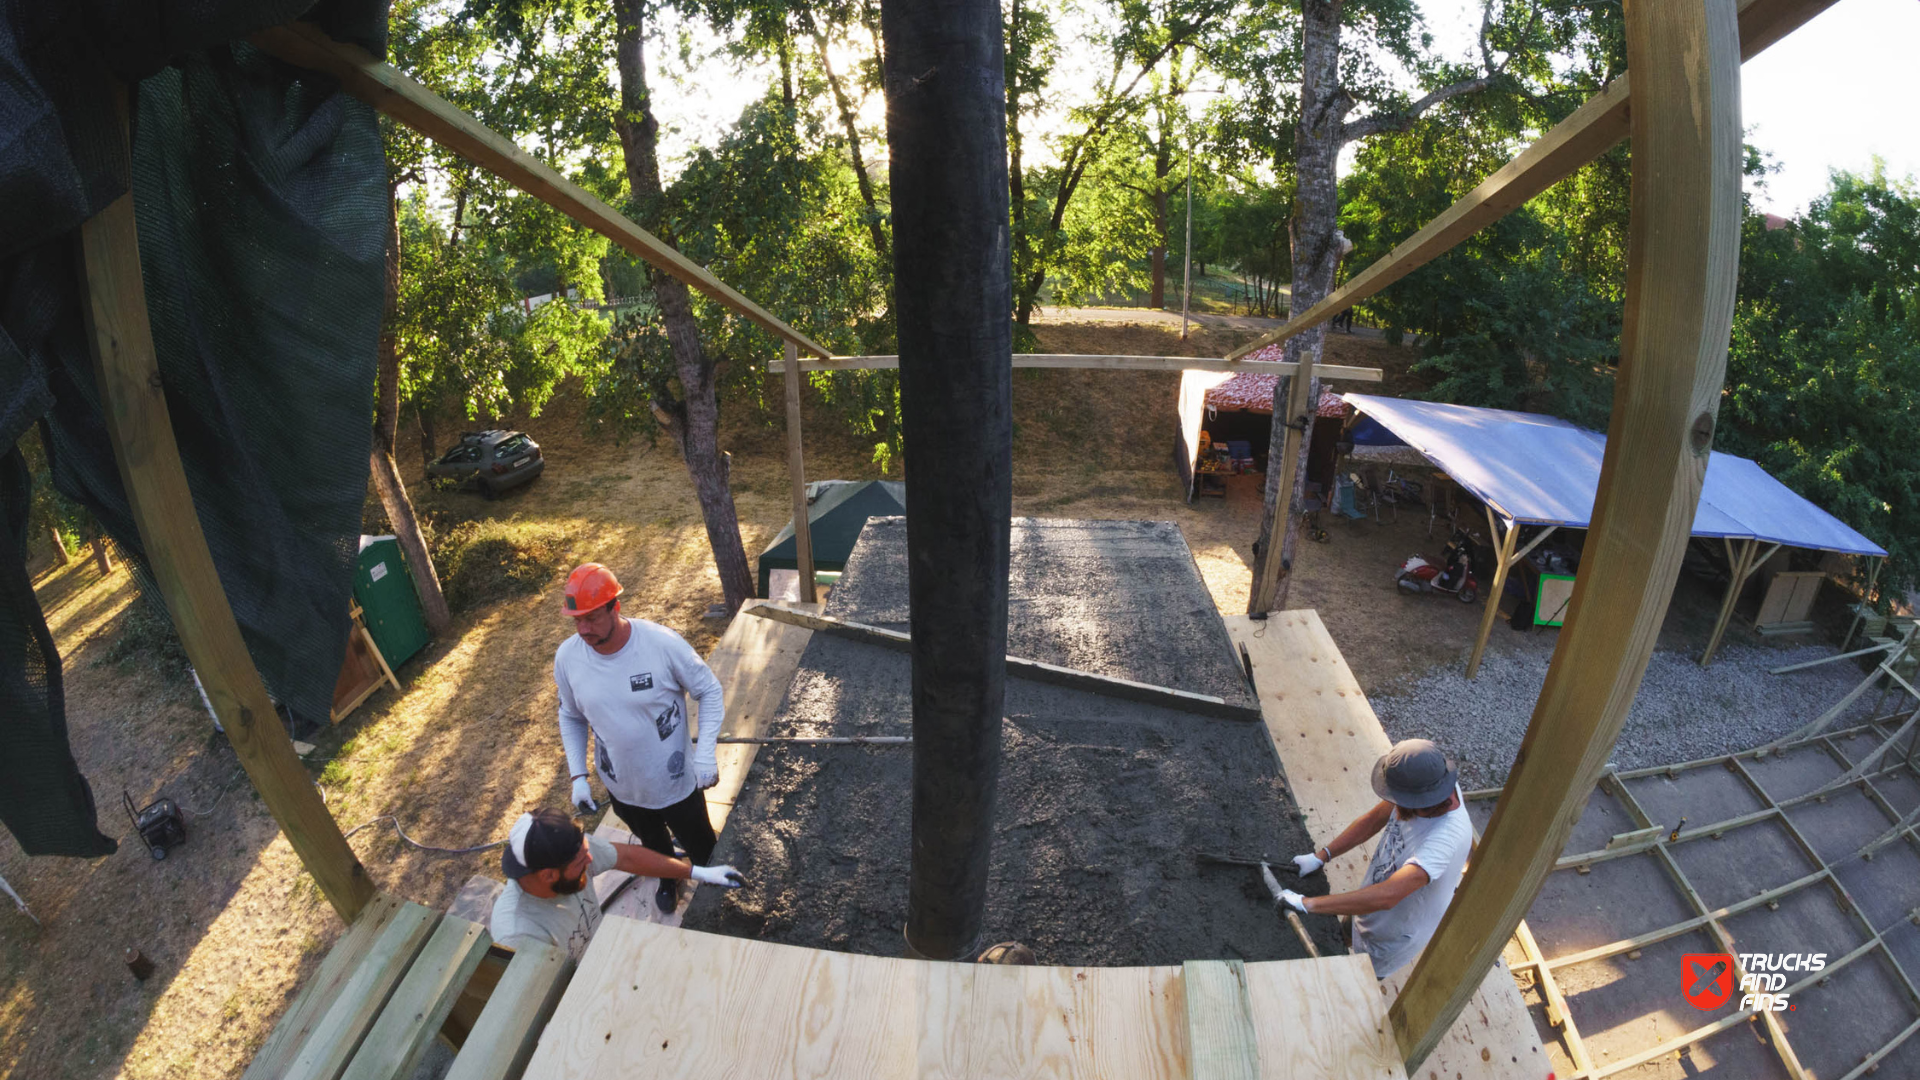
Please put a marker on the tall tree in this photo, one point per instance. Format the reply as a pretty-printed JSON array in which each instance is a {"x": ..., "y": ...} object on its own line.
[
  {"x": 692, "y": 420},
  {"x": 1332, "y": 82}
]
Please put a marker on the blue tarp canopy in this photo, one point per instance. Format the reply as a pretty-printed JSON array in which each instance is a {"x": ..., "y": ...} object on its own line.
[{"x": 1541, "y": 470}]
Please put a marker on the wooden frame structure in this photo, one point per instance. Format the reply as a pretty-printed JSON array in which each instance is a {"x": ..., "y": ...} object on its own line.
[{"x": 1685, "y": 231}]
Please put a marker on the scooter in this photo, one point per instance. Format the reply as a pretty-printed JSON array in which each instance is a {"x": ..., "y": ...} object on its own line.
[{"x": 1453, "y": 575}]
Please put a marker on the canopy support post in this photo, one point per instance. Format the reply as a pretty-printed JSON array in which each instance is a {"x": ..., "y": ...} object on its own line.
[
  {"x": 134, "y": 407},
  {"x": 1502, "y": 561},
  {"x": 1866, "y": 601},
  {"x": 797, "y": 472},
  {"x": 1742, "y": 569}
]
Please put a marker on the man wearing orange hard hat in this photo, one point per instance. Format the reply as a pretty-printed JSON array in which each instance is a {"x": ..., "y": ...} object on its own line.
[{"x": 626, "y": 681}]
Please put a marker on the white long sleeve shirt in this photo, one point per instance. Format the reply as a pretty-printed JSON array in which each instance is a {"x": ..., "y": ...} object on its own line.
[{"x": 635, "y": 702}]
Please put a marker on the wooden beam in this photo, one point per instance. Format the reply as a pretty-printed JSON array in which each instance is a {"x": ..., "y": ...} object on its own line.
[
  {"x": 134, "y": 406},
  {"x": 1684, "y": 250},
  {"x": 1220, "y": 1039},
  {"x": 1108, "y": 685},
  {"x": 317, "y": 994},
  {"x": 1502, "y": 562},
  {"x": 391, "y": 91},
  {"x": 1739, "y": 569},
  {"x": 797, "y": 473},
  {"x": 505, "y": 1033},
  {"x": 340, "y": 1030},
  {"x": 420, "y": 1004},
  {"x": 1591, "y": 130},
  {"x": 1110, "y": 363},
  {"x": 1274, "y": 559}
]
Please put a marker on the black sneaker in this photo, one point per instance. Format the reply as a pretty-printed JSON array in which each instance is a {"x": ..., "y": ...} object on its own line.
[{"x": 667, "y": 896}]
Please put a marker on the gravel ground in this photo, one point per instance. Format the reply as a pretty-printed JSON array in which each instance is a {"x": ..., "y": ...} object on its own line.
[{"x": 1683, "y": 711}]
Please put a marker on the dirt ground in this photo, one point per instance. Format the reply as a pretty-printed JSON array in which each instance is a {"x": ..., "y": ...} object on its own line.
[{"x": 232, "y": 923}]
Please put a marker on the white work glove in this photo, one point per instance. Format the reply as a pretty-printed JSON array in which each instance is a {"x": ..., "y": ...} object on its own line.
[
  {"x": 724, "y": 876},
  {"x": 1293, "y": 900},
  {"x": 583, "y": 796},
  {"x": 706, "y": 772},
  {"x": 1310, "y": 863}
]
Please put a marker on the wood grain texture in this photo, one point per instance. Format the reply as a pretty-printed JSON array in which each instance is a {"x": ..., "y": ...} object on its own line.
[
  {"x": 797, "y": 473},
  {"x": 1273, "y": 562},
  {"x": 421, "y": 1002},
  {"x": 1110, "y": 363},
  {"x": 134, "y": 406},
  {"x": 504, "y": 1034},
  {"x": 1588, "y": 132},
  {"x": 1220, "y": 1038},
  {"x": 1327, "y": 738},
  {"x": 339, "y": 1031},
  {"x": 755, "y": 662},
  {"x": 1039, "y": 671},
  {"x": 391, "y": 91},
  {"x": 318, "y": 993},
  {"x": 1321, "y": 1019},
  {"x": 1682, "y": 268}
]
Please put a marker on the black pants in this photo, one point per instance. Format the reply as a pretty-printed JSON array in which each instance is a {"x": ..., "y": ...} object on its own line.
[{"x": 687, "y": 821}]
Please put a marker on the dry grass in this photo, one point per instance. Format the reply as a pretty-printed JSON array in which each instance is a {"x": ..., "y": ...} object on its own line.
[{"x": 232, "y": 922}]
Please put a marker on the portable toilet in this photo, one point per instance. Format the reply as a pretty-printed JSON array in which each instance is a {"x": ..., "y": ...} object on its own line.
[{"x": 389, "y": 605}]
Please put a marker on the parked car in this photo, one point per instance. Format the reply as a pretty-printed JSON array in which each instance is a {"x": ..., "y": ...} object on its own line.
[{"x": 493, "y": 461}]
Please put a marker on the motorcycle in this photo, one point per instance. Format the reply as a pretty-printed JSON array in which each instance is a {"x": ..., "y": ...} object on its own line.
[{"x": 1453, "y": 574}]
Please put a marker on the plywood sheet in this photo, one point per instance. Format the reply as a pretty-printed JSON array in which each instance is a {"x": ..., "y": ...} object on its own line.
[
  {"x": 1328, "y": 739},
  {"x": 750, "y": 1008},
  {"x": 755, "y": 662}
]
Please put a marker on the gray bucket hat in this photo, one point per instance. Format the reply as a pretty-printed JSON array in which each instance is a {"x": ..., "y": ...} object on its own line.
[{"x": 1415, "y": 774}]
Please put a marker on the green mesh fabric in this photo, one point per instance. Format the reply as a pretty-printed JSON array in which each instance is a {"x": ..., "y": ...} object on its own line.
[{"x": 259, "y": 191}]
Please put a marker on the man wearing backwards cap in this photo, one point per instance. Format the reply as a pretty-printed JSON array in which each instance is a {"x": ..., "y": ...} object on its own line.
[
  {"x": 627, "y": 680},
  {"x": 550, "y": 867},
  {"x": 1416, "y": 866}
]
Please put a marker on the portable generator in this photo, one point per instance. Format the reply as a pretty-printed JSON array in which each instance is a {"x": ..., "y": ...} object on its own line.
[{"x": 159, "y": 824}]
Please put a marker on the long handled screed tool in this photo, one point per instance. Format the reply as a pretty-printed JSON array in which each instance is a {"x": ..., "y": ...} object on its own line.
[{"x": 1293, "y": 917}]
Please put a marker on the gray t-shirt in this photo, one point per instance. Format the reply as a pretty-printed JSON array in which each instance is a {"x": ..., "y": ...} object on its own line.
[
  {"x": 1439, "y": 845},
  {"x": 567, "y": 921}
]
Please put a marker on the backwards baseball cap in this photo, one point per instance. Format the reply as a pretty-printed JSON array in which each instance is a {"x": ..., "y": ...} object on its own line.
[
  {"x": 1415, "y": 774},
  {"x": 541, "y": 840}
]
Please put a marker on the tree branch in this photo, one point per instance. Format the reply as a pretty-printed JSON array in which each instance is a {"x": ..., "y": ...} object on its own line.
[{"x": 1403, "y": 119}]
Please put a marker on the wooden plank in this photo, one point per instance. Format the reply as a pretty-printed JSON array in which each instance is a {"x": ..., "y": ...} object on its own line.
[
  {"x": 339, "y": 1031},
  {"x": 134, "y": 407},
  {"x": 1327, "y": 739},
  {"x": 797, "y": 473},
  {"x": 1588, "y": 132},
  {"x": 1501, "y": 564},
  {"x": 421, "y": 1002},
  {"x": 1320, "y": 1020},
  {"x": 391, "y": 91},
  {"x": 507, "y": 1030},
  {"x": 1220, "y": 1038},
  {"x": 320, "y": 990},
  {"x": 1110, "y": 363},
  {"x": 755, "y": 662},
  {"x": 1684, "y": 250},
  {"x": 1274, "y": 561},
  {"x": 1053, "y": 674}
]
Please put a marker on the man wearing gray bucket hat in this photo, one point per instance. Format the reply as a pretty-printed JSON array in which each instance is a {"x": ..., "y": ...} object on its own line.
[{"x": 1425, "y": 837}]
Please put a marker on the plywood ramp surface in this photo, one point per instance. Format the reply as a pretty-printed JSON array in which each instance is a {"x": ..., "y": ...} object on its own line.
[
  {"x": 755, "y": 662},
  {"x": 1328, "y": 738},
  {"x": 656, "y": 1002}
]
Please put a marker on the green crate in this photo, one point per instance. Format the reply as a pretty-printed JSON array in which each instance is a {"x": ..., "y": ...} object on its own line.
[
  {"x": 391, "y": 609},
  {"x": 1550, "y": 609}
]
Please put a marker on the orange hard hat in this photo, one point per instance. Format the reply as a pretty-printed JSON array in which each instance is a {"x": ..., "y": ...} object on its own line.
[{"x": 590, "y": 586}]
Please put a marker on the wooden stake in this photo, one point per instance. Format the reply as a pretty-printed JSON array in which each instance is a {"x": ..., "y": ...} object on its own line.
[
  {"x": 1298, "y": 418},
  {"x": 1502, "y": 561},
  {"x": 797, "y": 472},
  {"x": 1740, "y": 569},
  {"x": 1684, "y": 250},
  {"x": 135, "y": 410}
]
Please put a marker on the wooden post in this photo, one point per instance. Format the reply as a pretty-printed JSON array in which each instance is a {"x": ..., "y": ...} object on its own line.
[
  {"x": 1866, "y": 602},
  {"x": 1274, "y": 559},
  {"x": 953, "y": 289},
  {"x": 101, "y": 557},
  {"x": 1502, "y": 561},
  {"x": 797, "y": 471},
  {"x": 1684, "y": 251},
  {"x": 135, "y": 409},
  {"x": 1739, "y": 568},
  {"x": 60, "y": 551}
]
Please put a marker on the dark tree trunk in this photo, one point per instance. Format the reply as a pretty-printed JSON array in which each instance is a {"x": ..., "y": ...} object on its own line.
[
  {"x": 946, "y": 124},
  {"x": 876, "y": 223},
  {"x": 386, "y": 474},
  {"x": 60, "y": 553},
  {"x": 699, "y": 409},
  {"x": 102, "y": 558},
  {"x": 1317, "y": 140},
  {"x": 428, "y": 445}
]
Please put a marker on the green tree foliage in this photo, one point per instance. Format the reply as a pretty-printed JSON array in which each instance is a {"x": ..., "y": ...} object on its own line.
[{"x": 1823, "y": 377}]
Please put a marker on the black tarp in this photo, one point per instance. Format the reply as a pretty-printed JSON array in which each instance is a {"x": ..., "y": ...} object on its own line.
[{"x": 259, "y": 192}]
